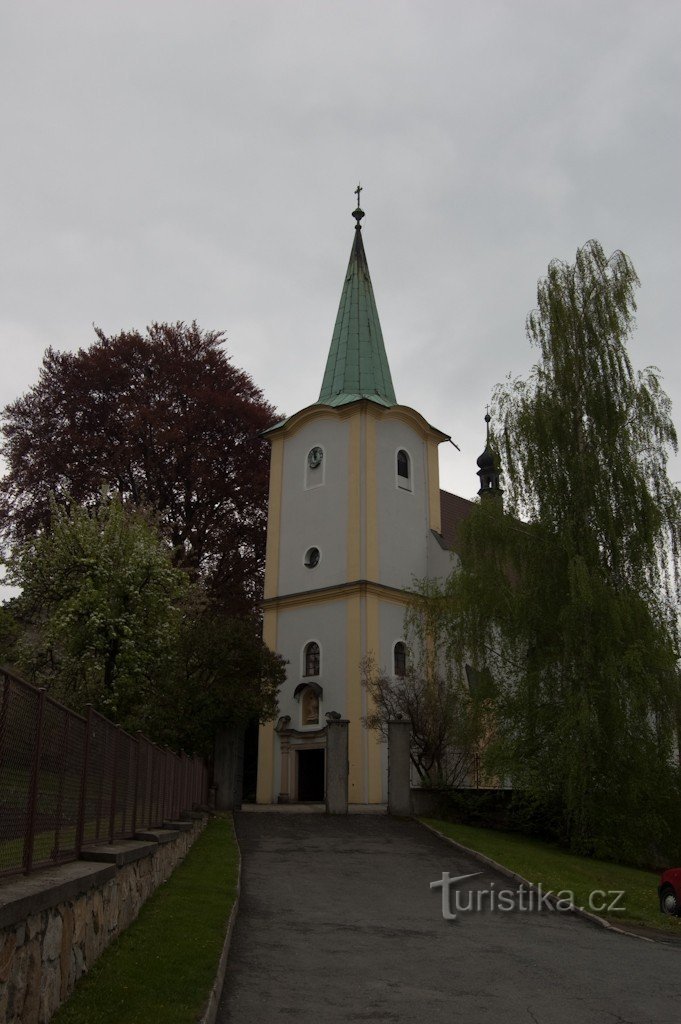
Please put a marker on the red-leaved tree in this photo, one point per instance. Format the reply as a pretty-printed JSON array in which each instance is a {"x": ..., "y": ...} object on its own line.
[{"x": 167, "y": 420}]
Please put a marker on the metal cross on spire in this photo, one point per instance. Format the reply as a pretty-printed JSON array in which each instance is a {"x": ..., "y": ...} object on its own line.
[{"x": 359, "y": 212}]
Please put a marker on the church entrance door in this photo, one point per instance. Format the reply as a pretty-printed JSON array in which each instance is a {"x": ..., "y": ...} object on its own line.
[{"x": 311, "y": 775}]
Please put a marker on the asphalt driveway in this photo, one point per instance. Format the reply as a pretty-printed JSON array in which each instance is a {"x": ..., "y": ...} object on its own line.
[{"x": 338, "y": 923}]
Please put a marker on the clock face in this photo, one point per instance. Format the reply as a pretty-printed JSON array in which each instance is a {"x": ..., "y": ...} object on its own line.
[{"x": 315, "y": 457}]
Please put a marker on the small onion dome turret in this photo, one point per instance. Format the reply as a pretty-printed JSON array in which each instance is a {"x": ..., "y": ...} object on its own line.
[{"x": 488, "y": 471}]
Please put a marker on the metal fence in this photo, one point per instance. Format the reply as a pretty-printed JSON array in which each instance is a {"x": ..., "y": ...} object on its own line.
[{"x": 68, "y": 781}]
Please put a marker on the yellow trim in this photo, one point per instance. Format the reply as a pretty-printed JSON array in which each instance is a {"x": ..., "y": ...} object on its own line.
[
  {"x": 300, "y": 418},
  {"x": 354, "y": 498},
  {"x": 340, "y": 590},
  {"x": 409, "y": 416},
  {"x": 372, "y": 554},
  {"x": 404, "y": 412},
  {"x": 434, "y": 513},
  {"x": 274, "y": 518},
  {"x": 356, "y": 777},
  {"x": 373, "y": 743},
  {"x": 265, "y": 784}
]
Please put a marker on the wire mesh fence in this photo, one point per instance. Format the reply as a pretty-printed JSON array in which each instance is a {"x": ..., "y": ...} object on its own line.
[{"x": 68, "y": 781}]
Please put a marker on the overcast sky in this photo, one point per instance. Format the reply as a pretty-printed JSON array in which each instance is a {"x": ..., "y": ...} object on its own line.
[{"x": 196, "y": 160}]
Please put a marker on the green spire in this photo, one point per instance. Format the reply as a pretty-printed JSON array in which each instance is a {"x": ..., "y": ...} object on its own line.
[{"x": 357, "y": 366}]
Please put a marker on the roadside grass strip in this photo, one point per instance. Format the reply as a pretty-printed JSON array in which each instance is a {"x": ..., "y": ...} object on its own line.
[
  {"x": 163, "y": 966},
  {"x": 557, "y": 870}
]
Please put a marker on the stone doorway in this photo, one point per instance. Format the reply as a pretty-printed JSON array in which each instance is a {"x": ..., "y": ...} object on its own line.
[{"x": 311, "y": 775}]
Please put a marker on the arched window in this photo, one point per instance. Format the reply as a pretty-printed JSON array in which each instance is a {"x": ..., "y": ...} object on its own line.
[
  {"x": 311, "y": 667},
  {"x": 403, "y": 470},
  {"x": 400, "y": 658},
  {"x": 310, "y": 707}
]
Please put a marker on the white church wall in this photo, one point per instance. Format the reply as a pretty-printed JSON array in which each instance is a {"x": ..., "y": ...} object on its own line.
[
  {"x": 391, "y": 625},
  {"x": 391, "y": 630},
  {"x": 326, "y": 623},
  {"x": 402, "y": 514},
  {"x": 314, "y": 516},
  {"x": 441, "y": 563}
]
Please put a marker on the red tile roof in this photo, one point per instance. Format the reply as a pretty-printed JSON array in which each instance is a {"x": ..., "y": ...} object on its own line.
[{"x": 453, "y": 511}]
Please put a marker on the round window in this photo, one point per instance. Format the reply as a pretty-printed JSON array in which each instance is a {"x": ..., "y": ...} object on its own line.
[{"x": 312, "y": 557}]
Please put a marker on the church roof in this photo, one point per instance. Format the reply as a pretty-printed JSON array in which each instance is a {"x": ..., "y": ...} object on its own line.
[
  {"x": 357, "y": 366},
  {"x": 453, "y": 511}
]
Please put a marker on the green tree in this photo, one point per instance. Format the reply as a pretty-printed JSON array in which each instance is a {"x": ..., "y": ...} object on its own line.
[
  {"x": 570, "y": 597},
  {"x": 106, "y": 617},
  {"x": 222, "y": 676},
  {"x": 9, "y": 632},
  {"x": 164, "y": 418},
  {"x": 100, "y": 608}
]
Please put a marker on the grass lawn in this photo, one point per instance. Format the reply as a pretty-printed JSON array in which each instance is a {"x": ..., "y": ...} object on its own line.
[
  {"x": 163, "y": 966},
  {"x": 557, "y": 869}
]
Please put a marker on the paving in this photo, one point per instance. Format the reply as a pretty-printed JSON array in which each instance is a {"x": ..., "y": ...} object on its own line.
[{"x": 337, "y": 922}]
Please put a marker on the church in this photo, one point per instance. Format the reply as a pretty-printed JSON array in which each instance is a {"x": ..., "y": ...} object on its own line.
[{"x": 355, "y": 514}]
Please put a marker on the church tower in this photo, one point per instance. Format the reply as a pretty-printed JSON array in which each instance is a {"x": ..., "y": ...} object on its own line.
[{"x": 354, "y": 517}]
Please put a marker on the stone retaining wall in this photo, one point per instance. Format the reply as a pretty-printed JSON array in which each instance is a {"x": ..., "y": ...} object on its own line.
[{"x": 55, "y": 923}]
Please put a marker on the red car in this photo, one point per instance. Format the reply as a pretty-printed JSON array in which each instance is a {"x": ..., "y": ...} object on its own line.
[{"x": 669, "y": 891}]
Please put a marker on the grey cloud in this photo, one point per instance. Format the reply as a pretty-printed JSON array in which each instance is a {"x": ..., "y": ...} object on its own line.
[{"x": 183, "y": 160}]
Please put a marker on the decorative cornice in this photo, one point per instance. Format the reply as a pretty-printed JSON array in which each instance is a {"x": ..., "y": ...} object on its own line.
[
  {"x": 339, "y": 590},
  {"x": 403, "y": 412}
]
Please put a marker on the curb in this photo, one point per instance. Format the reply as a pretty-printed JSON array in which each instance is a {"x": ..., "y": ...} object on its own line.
[
  {"x": 210, "y": 1013},
  {"x": 585, "y": 914}
]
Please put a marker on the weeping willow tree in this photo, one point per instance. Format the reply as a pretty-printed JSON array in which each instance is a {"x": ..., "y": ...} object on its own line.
[{"x": 568, "y": 597}]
